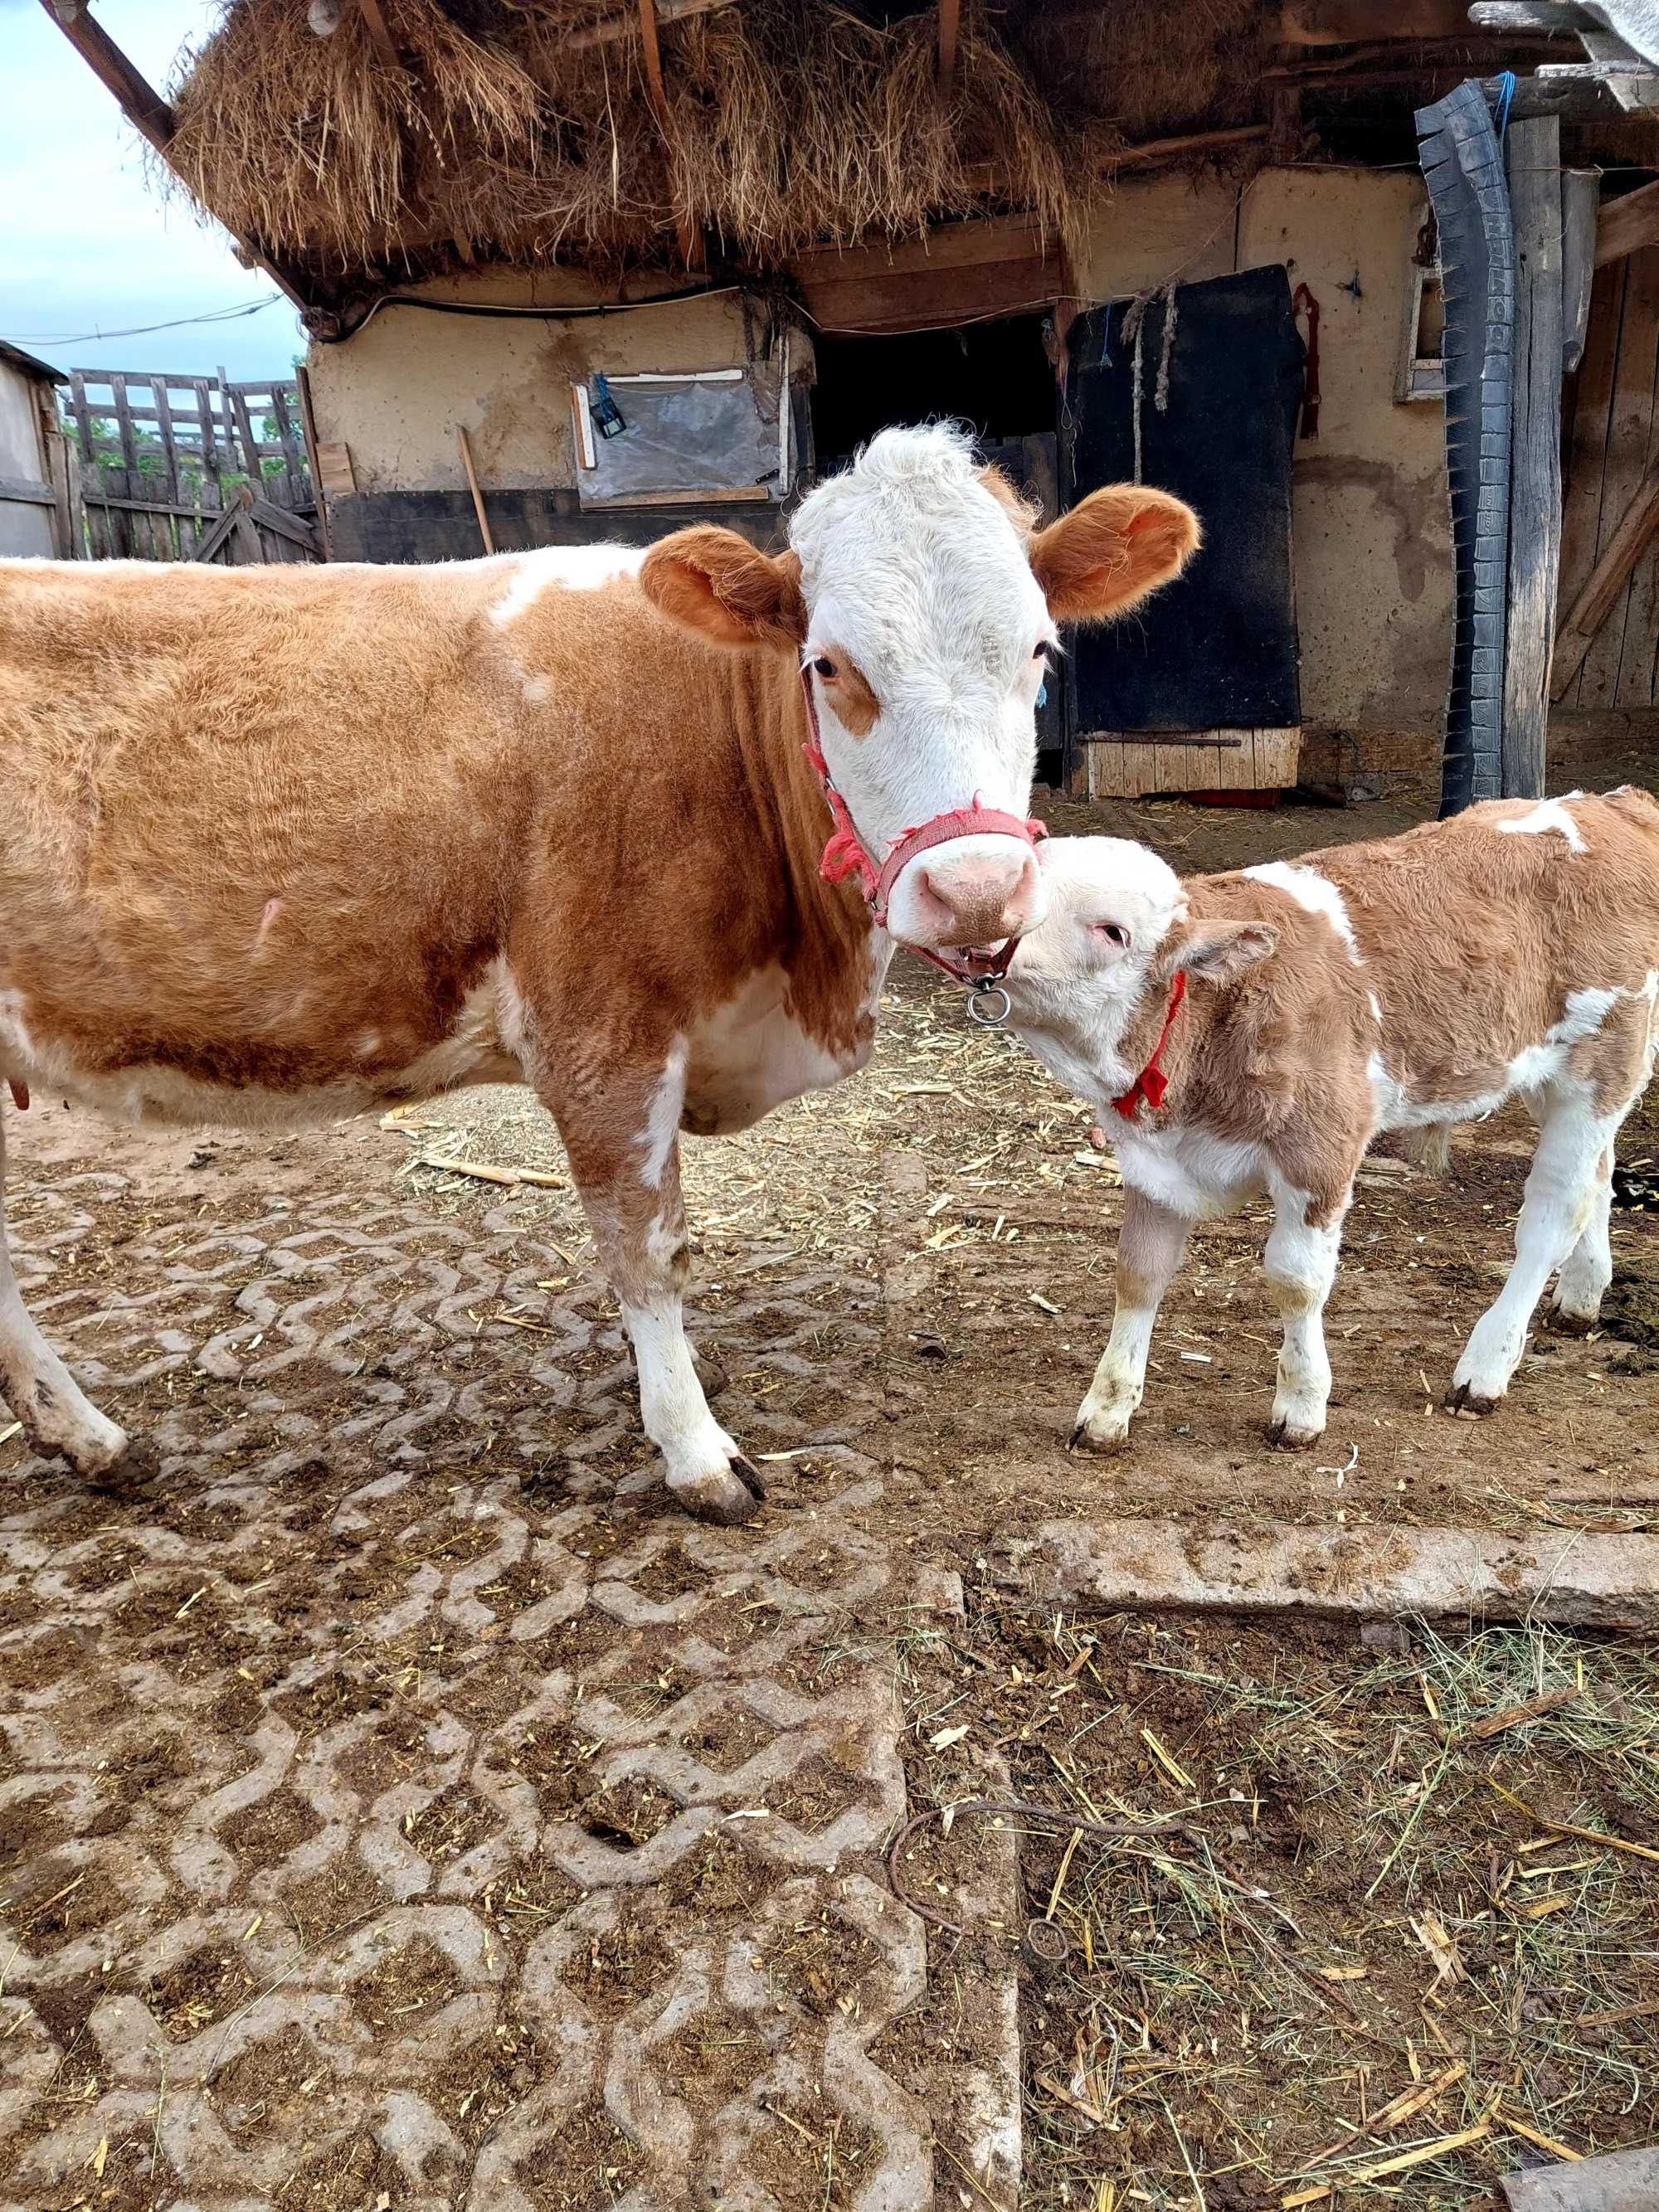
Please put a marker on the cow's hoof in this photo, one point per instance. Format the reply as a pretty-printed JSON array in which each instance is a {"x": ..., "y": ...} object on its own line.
[
  {"x": 728, "y": 1497},
  {"x": 1464, "y": 1398},
  {"x": 1286, "y": 1435},
  {"x": 1100, "y": 1432},
  {"x": 131, "y": 1469}
]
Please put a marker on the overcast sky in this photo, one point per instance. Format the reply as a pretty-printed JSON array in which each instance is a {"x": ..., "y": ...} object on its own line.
[{"x": 86, "y": 242}]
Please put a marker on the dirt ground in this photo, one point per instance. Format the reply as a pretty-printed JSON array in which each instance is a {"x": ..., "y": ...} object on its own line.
[{"x": 401, "y": 1805}]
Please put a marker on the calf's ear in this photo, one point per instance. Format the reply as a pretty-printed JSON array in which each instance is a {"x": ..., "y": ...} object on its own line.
[
  {"x": 1118, "y": 545},
  {"x": 718, "y": 584},
  {"x": 1216, "y": 951}
]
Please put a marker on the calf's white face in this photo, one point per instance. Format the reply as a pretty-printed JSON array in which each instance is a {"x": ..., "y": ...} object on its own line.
[
  {"x": 1116, "y": 929},
  {"x": 925, "y": 610}
]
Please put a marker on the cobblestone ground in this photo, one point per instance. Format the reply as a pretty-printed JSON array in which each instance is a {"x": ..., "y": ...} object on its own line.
[{"x": 400, "y": 1803}]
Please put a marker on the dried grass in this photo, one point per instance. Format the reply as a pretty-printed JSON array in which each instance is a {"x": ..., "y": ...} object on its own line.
[{"x": 787, "y": 128}]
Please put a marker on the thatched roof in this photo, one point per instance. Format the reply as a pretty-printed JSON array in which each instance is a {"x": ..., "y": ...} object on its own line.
[
  {"x": 357, "y": 143},
  {"x": 507, "y": 129}
]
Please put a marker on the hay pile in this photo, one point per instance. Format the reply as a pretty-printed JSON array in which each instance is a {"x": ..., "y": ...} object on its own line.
[{"x": 790, "y": 126}]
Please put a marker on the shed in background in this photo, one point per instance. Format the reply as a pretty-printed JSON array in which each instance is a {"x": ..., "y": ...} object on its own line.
[{"x": 34, "y": 459}]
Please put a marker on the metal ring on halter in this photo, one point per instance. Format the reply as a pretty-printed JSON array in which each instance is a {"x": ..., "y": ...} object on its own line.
[{"x": 980, "y": 995}]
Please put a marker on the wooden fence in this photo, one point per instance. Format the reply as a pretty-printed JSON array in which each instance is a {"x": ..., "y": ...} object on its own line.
[{"x": 190, "y": 467}]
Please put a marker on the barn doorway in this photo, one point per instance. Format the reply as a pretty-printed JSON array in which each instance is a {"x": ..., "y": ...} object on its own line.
[
  {"x": 994, "y": 376},
  {"x": 997, "y": 377}
]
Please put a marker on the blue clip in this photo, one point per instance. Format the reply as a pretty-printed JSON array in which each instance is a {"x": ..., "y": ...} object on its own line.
[
  {"x": 1042, "y": 695},
  {"x": 1505, "y": 94}
]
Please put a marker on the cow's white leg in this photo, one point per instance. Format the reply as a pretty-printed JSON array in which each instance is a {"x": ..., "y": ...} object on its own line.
[
  {"x": 625, "y": 1155},
  {"x": 1576, "y": 1301},
  {"x": 1149, "y": 1245},
  {"x": 35, "y": 1383},
  {"x": 1561, "y": 1200},
  {"x": 1300, "y": 1261}
]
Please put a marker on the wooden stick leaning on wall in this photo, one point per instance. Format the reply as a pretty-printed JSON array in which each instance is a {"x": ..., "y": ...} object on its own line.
[
  {"x": 1603, "y": 585},
  {"x": 465, "y": 445}
]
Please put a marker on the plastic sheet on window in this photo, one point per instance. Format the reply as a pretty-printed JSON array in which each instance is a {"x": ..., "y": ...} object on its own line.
[{"x": 690, "y": 436}]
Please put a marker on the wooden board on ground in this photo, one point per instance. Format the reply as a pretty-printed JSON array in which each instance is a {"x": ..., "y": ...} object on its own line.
[{"x": 1138, "y": 764}]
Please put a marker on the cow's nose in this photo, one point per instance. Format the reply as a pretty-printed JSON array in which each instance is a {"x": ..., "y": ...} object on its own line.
[{"x": 977, "y": 900}]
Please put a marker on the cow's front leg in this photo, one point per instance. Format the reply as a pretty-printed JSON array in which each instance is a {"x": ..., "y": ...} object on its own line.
[
  {"x": 624, "y": 1156},
  {"x": 1301, "y": 1265},
  {"x": 35, "y": 1383},
  {"x": 1149, "y": 1245}
]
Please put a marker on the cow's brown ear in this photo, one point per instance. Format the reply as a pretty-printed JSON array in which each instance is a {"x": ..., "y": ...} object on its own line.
[
  {"x": 1104, "y": 556},
  {"x": 720, "y": 586},
  {"x": 1216, "y": 952}
]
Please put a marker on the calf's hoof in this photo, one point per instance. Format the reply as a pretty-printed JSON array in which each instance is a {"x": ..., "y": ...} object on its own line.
[
  {"x": 1286, "y": 1434},
  {"x": 1569, "y": 1321},
  {"x": 727, "y": 1496},
  {"x": 1464, "y": 1398},
  {"x": 138, "y": 1464}
]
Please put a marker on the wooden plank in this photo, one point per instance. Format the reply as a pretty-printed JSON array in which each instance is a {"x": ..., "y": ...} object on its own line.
[
  {"x": 314, "y": 466},
  {"x": 238, "y": 401},
  {"x": 651, "y": 54},
  {"x": 216, "y": 534},
  {"x": 380, "y": 36},
  {"x": 1607, "y": 581},
  {"x": 335, "y": 476},
  {"x": 950, "y": 25},
  {"x": 1628, "y": 224},
  {"x": 293, "y": 458},
  {"x": 1630, "y": 430},
  {"x": 164, "y": 432},
  {"x": 720, "y": 495},
  {"x": 465, "y": 445},
  {"x": 29, "y": 490},
  {"x": 205, "y": 417},
  {"x": 117, "y": 386},
  {"x": 142, "y": 105},
  {"x": 1532, "y": 153},
  {"x": 1632, "y": 681},
  {"x": 923, "y": 301},
  {"x": 949, "y": 245},
  {"x": 282, "y": 524},
  {"x": 1587, "y": 449},
  {"x": 66, "y": 539},
  {"x": 81, "y": 411},
  {"x": 1152, "y": 151},
  {"x": 1580, "y": 192}
]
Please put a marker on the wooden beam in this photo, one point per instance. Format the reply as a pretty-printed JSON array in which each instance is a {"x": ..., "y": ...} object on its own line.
[
  {"x": 1195, "y": 142},
  {"x": 379, "y": 35},
  {"x": 1580, "y": 190},
  {"x": 652, "y": 46},
  {"x": 1604, "y": 583},
  {"x": 950, "y": 24},
  {"x": 1627, "y": 225},
  {"x": 155, "y": 121},
  {"x": 1532, "y": 153},
  {"x": 138, "y": 100}
]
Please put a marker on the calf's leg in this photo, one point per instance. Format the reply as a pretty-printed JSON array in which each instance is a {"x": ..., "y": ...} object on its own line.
[
  {"x": 1561, "y": 1201},
  {"x": 625, "y": 1155},
  {"x": 35, "y": 1383},
  {"x": 1576, "y": 1301},
  {"x": 1149, "y": 1245},
  {"x": 1301, "y": 1265}
]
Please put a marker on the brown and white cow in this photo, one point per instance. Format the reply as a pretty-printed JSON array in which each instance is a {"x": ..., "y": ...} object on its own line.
[
  {"x": 294, "y": 842},
  {"x": 1252, "y": 1032}
]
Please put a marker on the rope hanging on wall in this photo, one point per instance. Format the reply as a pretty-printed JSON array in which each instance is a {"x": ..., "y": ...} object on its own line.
[{"x": 1133, "y": 323}]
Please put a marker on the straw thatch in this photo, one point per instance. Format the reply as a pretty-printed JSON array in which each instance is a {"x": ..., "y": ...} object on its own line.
[{"x": 789, "y": 127}]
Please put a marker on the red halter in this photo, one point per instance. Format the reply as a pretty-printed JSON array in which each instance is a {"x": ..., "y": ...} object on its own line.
[
  {"x": 846, "y": 854},
  {"x": 1151, "y": 1083}
]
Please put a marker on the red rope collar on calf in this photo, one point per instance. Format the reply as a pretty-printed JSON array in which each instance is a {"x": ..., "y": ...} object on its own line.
[
  {"x": 846, "y": 854},
  {"x": 1151, "y": 1083}
]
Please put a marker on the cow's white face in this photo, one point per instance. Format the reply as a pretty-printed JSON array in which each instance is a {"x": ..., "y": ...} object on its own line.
[{"x": 925, "y": 611}]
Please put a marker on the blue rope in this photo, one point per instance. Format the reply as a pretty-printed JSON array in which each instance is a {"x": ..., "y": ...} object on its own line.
[{"x": 1505, "y": 94}]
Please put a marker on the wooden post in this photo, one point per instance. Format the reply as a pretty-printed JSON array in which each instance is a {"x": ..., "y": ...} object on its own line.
[
  {"x": 950, "y": 21},
  {"x": 1533, "y": 159}
]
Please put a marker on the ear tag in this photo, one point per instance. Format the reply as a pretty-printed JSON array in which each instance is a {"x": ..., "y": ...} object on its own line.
[
  {"x": 1042, "y": 695},
  {"x": 607, "y": 416}
]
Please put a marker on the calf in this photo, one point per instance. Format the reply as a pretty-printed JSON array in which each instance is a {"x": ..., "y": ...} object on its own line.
[
  {"x": 290, "y": 842},
  {"x": 1253, "y": 1032}
]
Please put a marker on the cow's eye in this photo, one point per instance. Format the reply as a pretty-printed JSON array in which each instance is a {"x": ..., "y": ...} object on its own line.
[
  {"x": 1114, "y": 933},
  {"x": 826, "y": 668}
]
